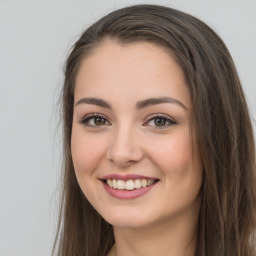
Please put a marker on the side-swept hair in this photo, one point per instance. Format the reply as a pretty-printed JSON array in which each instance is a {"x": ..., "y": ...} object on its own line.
[{"x": 220, "y": 118}]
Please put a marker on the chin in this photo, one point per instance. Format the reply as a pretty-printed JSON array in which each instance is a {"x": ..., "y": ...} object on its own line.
[
  {"x": 127, "y": 223},
  {"x": 127, "y": 219}
]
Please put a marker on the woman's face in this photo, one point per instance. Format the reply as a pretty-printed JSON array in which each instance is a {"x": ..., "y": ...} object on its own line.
[{"x": 131, "y": 129}]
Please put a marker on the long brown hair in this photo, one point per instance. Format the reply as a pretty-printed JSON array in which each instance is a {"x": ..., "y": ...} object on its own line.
[{"x": 221, "y": 121}]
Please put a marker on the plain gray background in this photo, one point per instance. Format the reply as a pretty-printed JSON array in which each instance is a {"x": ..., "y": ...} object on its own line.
[{"x": 35, "y": 37}]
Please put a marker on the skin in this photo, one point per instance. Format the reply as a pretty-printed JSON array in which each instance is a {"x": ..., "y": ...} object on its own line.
[{"x": 128, "y": 140}]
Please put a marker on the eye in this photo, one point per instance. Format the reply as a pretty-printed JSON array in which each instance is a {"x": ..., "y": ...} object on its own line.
[
  {"x": 94, "y": 120},
  {"x": 160, "y": 121}
]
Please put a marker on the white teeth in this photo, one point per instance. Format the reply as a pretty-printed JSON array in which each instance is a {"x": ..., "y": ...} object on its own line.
[
  {"x": 121, "y": 184},
  {"x": 137, "y": 184},
  {"x": 129, "y": 184},
  {"x": 110, "y": 183},
  {"x": 144, "y": 183},
  {"x": 114, "y": 184}
]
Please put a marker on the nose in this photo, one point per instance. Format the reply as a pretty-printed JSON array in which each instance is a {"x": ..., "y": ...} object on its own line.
[{"x": 124, "y": 148}]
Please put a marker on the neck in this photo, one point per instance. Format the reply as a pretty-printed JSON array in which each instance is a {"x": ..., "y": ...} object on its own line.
[{"x": 175, "y": 237}]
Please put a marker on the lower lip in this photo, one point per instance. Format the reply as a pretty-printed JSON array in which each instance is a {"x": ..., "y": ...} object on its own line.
[{"x": 127, "y": 194}]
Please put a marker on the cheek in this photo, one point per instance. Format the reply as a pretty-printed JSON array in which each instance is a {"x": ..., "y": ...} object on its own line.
[
  {"x": 173, "y": 155},
  {"x": 181, "y": 171},
  {"x": 176, "y": 161},
  {"x": 86, "y": 152}
]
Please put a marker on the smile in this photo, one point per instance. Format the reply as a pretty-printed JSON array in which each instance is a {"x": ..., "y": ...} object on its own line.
[{"x": 129, "y": 184}]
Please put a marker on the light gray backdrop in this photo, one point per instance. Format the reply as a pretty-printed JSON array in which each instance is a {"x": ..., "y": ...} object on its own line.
[{"x": 35, "y": 37}]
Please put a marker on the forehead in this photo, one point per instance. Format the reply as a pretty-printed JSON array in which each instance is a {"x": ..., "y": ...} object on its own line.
[
  {"x": 116, "y": 49},
  {"x": 139, "y": 69}
]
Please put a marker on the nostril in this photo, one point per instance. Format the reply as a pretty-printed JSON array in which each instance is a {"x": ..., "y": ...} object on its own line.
[{"x": 123, "y": 151}]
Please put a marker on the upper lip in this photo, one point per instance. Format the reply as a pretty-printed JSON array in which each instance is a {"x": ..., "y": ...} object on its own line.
[{"x": 126, "y": 177}]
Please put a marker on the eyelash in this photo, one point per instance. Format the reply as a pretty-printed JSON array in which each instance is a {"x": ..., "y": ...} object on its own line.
[
  {"x": 87, "y": 118},
  {"x": 160, "y": 116}
]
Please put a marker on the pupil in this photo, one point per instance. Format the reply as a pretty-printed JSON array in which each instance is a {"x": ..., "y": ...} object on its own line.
[
  {"x": 160, "y": 121},
  {"x": 99, "y": 121}
]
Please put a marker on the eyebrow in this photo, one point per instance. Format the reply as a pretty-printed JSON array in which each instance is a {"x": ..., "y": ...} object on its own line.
[
  {"x": 139, "y": 105},
  {"x": 160, "y": 100},
  {"x": 94, "y": 101}
]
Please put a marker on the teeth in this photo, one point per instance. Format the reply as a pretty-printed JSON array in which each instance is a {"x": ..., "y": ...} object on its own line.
[
  {"x": 129, "y": 184},
  {"x": 137, "y": 184},
  {"x": 114, "y": 184},
  {"x": 144, "y": 183},
  {"x": 150, "y": 182},
  {"x": 110, "y": 183},
  {"x": 121, "y": 184}
]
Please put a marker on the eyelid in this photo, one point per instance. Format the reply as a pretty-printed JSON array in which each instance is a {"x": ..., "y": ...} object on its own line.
[
  {"x": 164, "y": 116},
  {"x": 87, "y": 117},
  {"x": 170, "y": 120}
]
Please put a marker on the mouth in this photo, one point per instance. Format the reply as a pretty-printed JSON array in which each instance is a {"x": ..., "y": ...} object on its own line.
[{"x": 130, "y": 184}]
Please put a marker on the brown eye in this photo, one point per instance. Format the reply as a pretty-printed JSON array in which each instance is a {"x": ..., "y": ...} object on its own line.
[
  {"x": 160, "y": 121},
  {"x": 94, "y": 120},
  {"x": 99, "y": 121}
]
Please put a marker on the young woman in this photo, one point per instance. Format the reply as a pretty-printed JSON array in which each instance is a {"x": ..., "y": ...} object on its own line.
[{"x": 159, "y": 154}]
